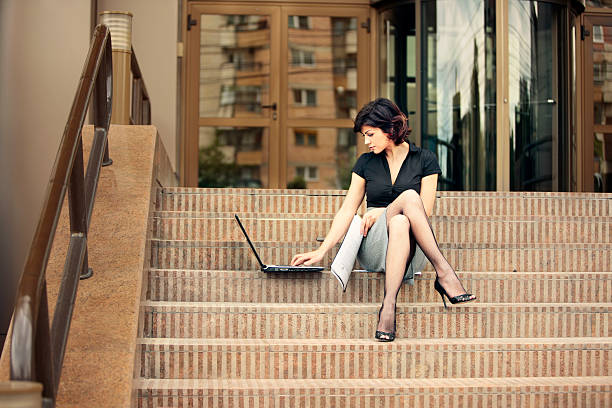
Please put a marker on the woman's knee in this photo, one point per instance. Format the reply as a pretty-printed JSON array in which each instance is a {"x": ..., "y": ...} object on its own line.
[
  {"x": 399, "y": 224},
  {"x": 410, "y": 198}
]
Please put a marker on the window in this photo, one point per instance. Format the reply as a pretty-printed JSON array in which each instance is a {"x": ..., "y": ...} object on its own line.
[
  {"x": 303, "y": 137},
  {"x": 247, "y": 97},
  {"x": 309, "y": 173},
  {"x": 346, "y": 138},
  {"x": 312, "y": 139},
  {"x": 305, "y": 97},
  {"x": 247, "y": 22},
  {"x": 301, "y": 22},
  {"x": 302, "y": 58},
  {"x": 244, "y": 60},
  {"x": 598, "y": 73},
  {"x": 598, "y": 34}
]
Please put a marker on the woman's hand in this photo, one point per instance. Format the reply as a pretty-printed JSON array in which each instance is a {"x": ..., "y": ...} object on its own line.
[
  {"x": 308, "y": 258},
  {"x": 369, "y": 219}
]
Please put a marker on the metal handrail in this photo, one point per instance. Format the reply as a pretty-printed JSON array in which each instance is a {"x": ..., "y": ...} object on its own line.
[
  {"x": 37, "y": 351},
  {"x": 141, "y": 103}
]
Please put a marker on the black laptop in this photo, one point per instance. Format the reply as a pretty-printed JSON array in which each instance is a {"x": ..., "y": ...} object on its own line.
[{"x": 276, "y": 268}]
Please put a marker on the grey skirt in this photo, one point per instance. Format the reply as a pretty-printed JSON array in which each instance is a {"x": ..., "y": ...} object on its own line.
[{"x": 372, "y": 253}]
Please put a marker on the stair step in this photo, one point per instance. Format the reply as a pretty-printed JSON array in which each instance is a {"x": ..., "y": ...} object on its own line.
[
  {"x": 329, "y": 320},
  {"x": 535, "y": 392},
  {"x": 358, "y": 358},
  {"x": 307, "y": 227},
  {"x": 250, "y": 200},
  {"x": 257, "y": 286},
  {"x": 234, "y": 255},
  {"x": 329, "y": 201}
]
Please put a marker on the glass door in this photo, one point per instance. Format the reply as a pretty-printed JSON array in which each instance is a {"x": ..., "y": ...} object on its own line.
[
  {"x": 325, "y": 82},
  {"x": 597, "y": 168},
  {"x": 271, "y": 94},
  {"x": 232, "y": 96}
]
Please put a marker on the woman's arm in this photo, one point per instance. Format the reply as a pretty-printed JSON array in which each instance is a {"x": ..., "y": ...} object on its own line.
[
  {"x": 429, "y": 185},
  {"x": 339, "y": 226}
]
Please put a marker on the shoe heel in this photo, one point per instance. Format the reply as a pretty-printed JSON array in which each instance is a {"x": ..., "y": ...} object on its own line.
[
  {"x": 441, "y": 292},
  {"x": 443, "y": 301}
]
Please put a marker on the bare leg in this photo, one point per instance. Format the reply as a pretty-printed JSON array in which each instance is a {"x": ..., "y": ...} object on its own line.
[
  {"x": 398, "y": 256},
  {"x": 409, "y": 204}
]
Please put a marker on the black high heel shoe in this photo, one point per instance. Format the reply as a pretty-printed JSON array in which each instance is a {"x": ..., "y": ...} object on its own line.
[
  {"x": 385, "y": 336},
  {"x": 466, "y": 297}
]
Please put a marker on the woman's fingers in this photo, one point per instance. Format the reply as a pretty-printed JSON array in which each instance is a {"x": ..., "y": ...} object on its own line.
[
  {"x": 302, "y": 259},
  {"x": 296, "y": 260},
  {"x": 366, "y": 224}
]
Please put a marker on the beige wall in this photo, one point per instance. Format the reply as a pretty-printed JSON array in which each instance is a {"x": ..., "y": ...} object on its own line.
[
  {"x": 154, "y": 37},
  {"x": 43, "y": 45}
]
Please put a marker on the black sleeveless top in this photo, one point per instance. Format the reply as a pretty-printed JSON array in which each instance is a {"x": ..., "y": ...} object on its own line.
[{"x": 374, "y": 168}]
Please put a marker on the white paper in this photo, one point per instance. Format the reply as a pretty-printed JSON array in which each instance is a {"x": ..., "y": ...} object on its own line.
[{"x": 343, "y": 263}]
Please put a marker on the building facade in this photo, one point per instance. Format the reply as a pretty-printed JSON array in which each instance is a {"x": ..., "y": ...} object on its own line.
[{"x": 510, "y": 94}]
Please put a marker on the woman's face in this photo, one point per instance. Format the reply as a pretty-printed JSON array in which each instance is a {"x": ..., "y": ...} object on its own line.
[{"x": 375, "y": 139}]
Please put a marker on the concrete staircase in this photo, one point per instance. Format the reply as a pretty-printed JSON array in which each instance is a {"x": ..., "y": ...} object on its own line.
[{"x": 216, "y": 332}]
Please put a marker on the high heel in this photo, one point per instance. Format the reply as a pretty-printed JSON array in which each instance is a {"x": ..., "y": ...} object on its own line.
[
  {"x": 385, "y": 336},
  {"x": 466, "y": 297}
]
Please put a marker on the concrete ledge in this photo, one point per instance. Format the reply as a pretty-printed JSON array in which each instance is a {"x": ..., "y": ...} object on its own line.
[{"x": 100, "y": 354}]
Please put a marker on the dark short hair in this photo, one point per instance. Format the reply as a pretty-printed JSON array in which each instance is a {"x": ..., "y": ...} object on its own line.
[{"x": 384, "y": 114}]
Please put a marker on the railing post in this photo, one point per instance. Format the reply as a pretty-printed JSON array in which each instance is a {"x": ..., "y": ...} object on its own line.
[
  {"x": 102, "y": 99},
  {"x": 76, "y": 202},
  {"x": 120, "y": 25},
  {"x": 45, "y": 371}
]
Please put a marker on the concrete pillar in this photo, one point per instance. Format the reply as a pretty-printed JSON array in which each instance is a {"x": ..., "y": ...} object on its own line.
[{"x": 120, "y": 25}]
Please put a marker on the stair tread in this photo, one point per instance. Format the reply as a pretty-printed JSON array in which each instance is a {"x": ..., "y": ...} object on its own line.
[
  {"x": 467, "y": 342},
  {"x": 257, "y": 273},
  {"x": 379, "y": 384},
  {"x": 196, "y": 215},
  {"x": 319, "y": 192},
  {"x": 299, "y": 307},
  {"x": 461, "y": 245}
]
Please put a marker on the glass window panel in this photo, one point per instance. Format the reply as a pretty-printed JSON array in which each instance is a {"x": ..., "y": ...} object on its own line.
[
  {"x": 536, "y": 71},
  {"x": 602, "y": 162},
  {"x": 322, "y": 67},
  {"x": 325, "y": 164},
  {"x": 398, "y": 55},
  {"x": 234, "y": 65},
  {"x": 233, "y": 157},
  {"x": 458, "y": 107},
  {"x": 599, "y": 3},
  {"x": 602, "y": 77},
  {"x": 602, "y": 108}
]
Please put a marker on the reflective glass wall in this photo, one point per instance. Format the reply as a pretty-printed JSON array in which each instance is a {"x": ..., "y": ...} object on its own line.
[
  {"x": 458, "y": 94},
  {"x": 437, "y": 60},
  {"x": 397, "y": 49},
  {"x": 538, "y": 134}
]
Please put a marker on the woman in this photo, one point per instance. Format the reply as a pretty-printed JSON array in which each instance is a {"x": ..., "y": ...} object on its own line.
[{"x": 400, "y": 181}]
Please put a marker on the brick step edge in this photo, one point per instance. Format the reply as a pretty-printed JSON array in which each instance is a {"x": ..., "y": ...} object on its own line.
[
  {"x": 299, "y": 320},
  {"x": 358, "y": 358},
  {"x": 458, "y": 392},
  {"x": 446, "y": 230},
  {"x": 460, "y": 203},
  {"x": 520, "y": 257},
  {"x": 256, "y": 286}
]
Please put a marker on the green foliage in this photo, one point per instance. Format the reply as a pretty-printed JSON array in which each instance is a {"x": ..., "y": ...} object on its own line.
[
  {"x": 297, "y": 182},
  {"x": 214, "y": 170}
]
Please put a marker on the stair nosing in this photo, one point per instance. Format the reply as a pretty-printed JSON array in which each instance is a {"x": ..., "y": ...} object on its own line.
[
  {"x": 471, "y": 341},
  {"x": 483, "y": 382},
  {"x": 365, "y": 305}
]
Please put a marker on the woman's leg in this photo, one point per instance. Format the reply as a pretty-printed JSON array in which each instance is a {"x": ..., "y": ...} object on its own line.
[
  {"x": 398, "y": 256},
  {"x": 410, "y": 205}
]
